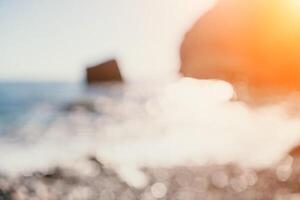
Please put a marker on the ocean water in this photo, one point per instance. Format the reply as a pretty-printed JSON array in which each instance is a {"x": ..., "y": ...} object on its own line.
[{"x": 20, "y": 100}]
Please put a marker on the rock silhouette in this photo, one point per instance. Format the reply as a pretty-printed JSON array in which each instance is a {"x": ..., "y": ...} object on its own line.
[{"x": 105, "y": 72}]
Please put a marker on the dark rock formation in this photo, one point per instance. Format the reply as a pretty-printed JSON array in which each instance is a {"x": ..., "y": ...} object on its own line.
[
  {"x": 254, "y": 42},
  {"x": 82, "y": 104},
  {"x": 105, "y": 72},
  {"x": 4, "y": 195}
]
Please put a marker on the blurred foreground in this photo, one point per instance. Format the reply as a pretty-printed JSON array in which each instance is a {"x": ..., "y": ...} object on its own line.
[
  {"x": 189, "y": 139},
  {"x": 180, "y": 183}
]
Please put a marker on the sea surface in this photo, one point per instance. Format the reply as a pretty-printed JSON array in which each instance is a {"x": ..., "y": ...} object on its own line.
[{"x": 19, "y": 101}]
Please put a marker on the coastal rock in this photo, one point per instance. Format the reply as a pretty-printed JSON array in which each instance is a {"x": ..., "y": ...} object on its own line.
[
  {"x": 4, "y": 195},
  {"x": 105, "y": 72},
  {"x": 80, "y": 105}
]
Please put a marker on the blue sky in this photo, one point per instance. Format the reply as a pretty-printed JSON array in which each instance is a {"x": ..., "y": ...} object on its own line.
[{"x": 57, "y": 39}]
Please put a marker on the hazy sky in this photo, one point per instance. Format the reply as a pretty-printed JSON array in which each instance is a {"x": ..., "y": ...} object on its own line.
[{"x": 57, "y": 39}]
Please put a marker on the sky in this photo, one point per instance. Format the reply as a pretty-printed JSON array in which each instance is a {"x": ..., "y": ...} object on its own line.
[{"x": 56, "y": 39}]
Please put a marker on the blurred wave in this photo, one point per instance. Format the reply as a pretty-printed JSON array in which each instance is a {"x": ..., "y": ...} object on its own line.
[
  {"x": 130, "y": 127},
  {"x": 114, "y": 137}
]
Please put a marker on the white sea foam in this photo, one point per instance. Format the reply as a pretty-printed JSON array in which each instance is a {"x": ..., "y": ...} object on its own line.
[{"x": 186, "y": 122}]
